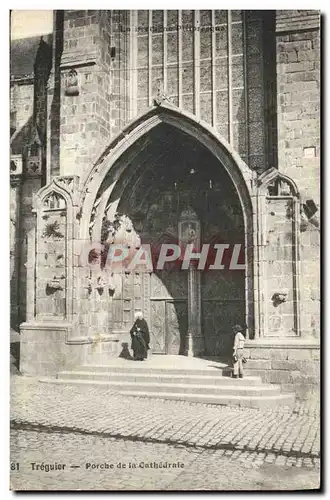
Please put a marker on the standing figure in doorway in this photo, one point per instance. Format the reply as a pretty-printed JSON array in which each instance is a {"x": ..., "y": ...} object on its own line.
[
  {"x": 238, "y": 351},
  {"x": 140, "y": 337}
]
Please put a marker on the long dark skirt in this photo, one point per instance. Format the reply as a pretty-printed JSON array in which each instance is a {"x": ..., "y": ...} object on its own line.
[{"x": 139, "y": 347}]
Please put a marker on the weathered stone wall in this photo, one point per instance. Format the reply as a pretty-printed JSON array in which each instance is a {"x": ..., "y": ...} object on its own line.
[
  {"x": 295, "y": 368},
  {"x": 88, "y": 120},
  {"x": 54, "y": 98},
  {"x": 44, "y": 350},
  {"x": 21, "y": 103},
  {"x": 21, "y": 107},
  {"x": 79, "y": 124},
  {"x": 298, "y": 83},
  {"x": 116, "y": 47},
  {"x": 210, "y": 63},
  {"x": 310, "y": 287},
  {"x": 42, "y": 69},
  {"x": 27, "y": 220}
]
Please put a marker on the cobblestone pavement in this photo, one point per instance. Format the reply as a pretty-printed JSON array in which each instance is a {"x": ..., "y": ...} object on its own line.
[
  {"x": 97, "y": 410},
  {"x": 132, "y": 465}
]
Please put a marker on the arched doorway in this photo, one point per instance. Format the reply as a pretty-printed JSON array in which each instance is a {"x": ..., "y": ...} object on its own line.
[{"x": 167, "y": 171}]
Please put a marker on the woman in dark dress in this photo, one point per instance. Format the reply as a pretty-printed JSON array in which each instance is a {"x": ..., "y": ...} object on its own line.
[{"x": 140, "y": 337}]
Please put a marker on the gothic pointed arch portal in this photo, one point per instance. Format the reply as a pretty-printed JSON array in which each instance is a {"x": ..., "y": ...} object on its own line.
[{"x": 162, "y": 166}]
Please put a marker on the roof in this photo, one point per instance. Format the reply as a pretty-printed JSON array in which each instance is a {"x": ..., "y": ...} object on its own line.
[{"x": 23, "y": 53}]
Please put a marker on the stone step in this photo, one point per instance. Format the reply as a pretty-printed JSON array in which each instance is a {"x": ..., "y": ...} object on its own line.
[
  {"x": 236, "y": 387},
  {"x": 179, "y": 384},
  {"x": 141, "y": 367},
  {"x": 260, "y": 402},
  {"x": 159, "y": 378},
  {"x": 59, "y": 381}
]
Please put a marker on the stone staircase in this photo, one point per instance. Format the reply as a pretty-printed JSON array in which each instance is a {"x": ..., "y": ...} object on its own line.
[{"x": 178, "y": 378}]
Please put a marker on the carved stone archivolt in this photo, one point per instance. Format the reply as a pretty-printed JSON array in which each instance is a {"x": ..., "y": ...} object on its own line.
[
  {"x": 93, "y": 217},
  {"x": 120, "y": 230},
  {"x": 126, "y": 234}
]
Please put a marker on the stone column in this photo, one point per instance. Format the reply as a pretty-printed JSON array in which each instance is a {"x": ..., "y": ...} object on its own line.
[
  {"x": 189, "y": 236},
  {"x": 194, "y": 312}
]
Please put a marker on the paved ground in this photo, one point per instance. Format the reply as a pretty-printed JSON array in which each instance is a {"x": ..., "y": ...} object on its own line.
[
  {"x": 196, "y": 468},
  {"x": 100, "y": 411}
]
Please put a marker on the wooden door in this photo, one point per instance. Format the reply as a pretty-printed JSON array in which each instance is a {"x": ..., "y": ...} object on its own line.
[
  {"x": 222, "y": 307},
  {"x": 176, "y": 326},
  {"x": 168, "y": 326},
  {"x": 157, "y": 327}
]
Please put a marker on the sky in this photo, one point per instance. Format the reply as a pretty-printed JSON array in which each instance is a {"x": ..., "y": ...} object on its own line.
[{"x": 26, "y": 23}]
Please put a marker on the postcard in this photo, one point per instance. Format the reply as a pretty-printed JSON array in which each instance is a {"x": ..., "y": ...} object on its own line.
[{"x": 165, "y": 250}]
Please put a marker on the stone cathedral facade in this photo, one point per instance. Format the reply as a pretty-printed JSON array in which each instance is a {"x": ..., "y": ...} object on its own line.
[{"x": 136, "y": 127}]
